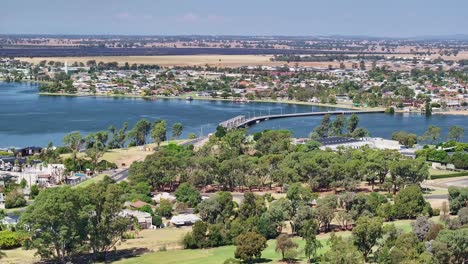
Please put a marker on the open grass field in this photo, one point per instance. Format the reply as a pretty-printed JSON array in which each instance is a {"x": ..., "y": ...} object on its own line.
[
  {"x": 154, "y": 240},
  {"x": 182, "y": 60},
  {"x": 125, "y": 156},
  {"x": 19, "y": 256},
  {"x": 220, "y": 254}
]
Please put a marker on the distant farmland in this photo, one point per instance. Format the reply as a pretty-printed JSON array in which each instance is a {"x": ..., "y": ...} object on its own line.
[{"x": 82, "y": 51}]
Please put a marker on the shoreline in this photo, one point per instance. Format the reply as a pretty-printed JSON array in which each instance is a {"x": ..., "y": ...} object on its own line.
[{"x": 184, "y": 97}]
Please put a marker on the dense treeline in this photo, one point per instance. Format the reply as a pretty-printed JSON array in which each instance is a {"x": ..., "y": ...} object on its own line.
[{"x": 238, "y": 161}]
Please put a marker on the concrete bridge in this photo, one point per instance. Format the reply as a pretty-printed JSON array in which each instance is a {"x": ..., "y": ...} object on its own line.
[{"x": 241, "y": 121}]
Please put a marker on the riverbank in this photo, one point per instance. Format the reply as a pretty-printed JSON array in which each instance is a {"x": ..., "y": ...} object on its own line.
[
  {"x": 452, "y": 112},
  {"x": 194, "y": 97}
]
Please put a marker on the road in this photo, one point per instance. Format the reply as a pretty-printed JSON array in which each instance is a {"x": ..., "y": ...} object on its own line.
[{"x": 120, "y": 175}]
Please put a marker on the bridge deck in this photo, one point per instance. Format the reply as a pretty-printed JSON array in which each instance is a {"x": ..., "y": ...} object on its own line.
[{"x": 240, "y": 121}]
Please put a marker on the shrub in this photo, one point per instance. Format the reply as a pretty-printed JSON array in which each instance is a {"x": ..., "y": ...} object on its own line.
[
  {"x": 15, "y": 199},
  {"x": 10, "y": 239}
]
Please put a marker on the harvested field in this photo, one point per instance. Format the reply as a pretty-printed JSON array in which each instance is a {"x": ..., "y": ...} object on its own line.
[{"x": 183, "y": 60}]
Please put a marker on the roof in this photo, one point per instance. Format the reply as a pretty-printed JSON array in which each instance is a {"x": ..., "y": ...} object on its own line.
[
  {"x": 336, "y": 140},
  {"x": 183, "y": 219},
  {"x": 138, "y": 204},
  {"x": 141, "y": 216}
]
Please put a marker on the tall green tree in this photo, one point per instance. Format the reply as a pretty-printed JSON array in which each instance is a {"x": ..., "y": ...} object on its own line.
[
  {"x": 159, "y": 131},
  {"x": 176, "y": 130},
  {"x": 342, "y": 252},
  {"x": 312, "y": 243},
  {"x": 139, "y": 132},
  {"x": 353, "y": 123},
  {"x": 74, "y": 141},
  {"x": 105, "y": 226},
  {"x": 432, "y": 134},
  {"x": 455, "y": 133},
  {"x": 249, "y": 246},
  {"x": 366, "y": 233},
  {"x": 57, "y": 223}
]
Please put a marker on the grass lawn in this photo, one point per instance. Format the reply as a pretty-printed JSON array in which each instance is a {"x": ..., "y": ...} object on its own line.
[
  {"x": 88, "y": 182},
  {"x": 19, "y": 256},
  {"x": 439, "y": 172},
  {"x": 155, "y": 239},
  {"x": 127, "y": 155},
  {"x": 220, "y": 254},
  {"x": 213, "y": 255}
]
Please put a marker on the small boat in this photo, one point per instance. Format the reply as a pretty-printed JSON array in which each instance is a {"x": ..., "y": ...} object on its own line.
[{"x": 190, "y": 98}]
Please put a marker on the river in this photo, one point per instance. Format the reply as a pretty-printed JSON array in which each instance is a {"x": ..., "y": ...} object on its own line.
[{"x": 29, "y": 119}]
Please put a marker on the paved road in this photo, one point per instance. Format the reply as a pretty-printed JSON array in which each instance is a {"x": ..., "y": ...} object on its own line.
[
  {"x": 120, "y": 176},
  {"x": 460, "y": 183},
  {"x": 436, "y": 196}
]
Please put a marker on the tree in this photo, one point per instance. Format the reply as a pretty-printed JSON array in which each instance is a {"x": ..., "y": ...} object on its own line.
[
  {"x": 106, "y": 227},
  {"x": 404, "y": 138},
  {"x": 322, "y": 130},
  {"x": 14, "y": 199},
  {"x": 252, "y": 205},
  {"x": 299, "y": 195},
  {"x": 303, "y": 215},
  {"x": 312, "y": 243},
  {"x": 406, "y": 249},
  {"x": 74, "y": 141},
  {"x": 185, "y": 193},
  {"x": 284, "y": 244},
  {"x": 428, "y": 107},
  {"x": 432, "y": 134},
  {"x": 164, "y": 209},
  {"x": 95, "y": 153},
  {"x": 353, "y": 123},
  {"x": 407, "y": 171},
  {"x": 158, "y": 133},
  {"x": 139, "y": 132},
  {"x": 458, "y": 198},
  {"x": 463, "y": 215},
  {"x": 342, "y": 252},
  {"x": 177, "y": 130},
  {"x": 218, "y": 208},
  {"x": 450, "y": 246},
  {"x": 455, "y": 133},
  {"x": 410, "y": 202},
  {"x": 421, "y": 227},
  {"x": 57, "y": 223},
  {"x": 366, "y": 233},
  {"x": 325, "y": 211},
  {"x": 220, "y": 131},
  {"x": 249, "y": 246}
]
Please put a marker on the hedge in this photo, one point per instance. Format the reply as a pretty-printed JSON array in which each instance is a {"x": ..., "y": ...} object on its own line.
[{"x": 452, "y": 175}]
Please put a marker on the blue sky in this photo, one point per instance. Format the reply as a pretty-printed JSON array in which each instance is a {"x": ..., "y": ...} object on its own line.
[{"x": 390, "y": 18}]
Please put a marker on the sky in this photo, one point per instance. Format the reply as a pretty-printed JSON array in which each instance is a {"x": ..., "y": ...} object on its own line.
[{"x": 383, "y": 18}]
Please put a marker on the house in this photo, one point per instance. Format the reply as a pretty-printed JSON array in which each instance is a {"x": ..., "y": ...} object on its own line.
[
  {"x": 29, "y": 151},
  {"x": 2, "y": 201},
  {"x": 184, "y": 219},
  {"x": 137, "y": 204},
  {"x": 144, "y": 219},
  {"x": 10, "y": 220},
  {"x": 165, "y": 196}
]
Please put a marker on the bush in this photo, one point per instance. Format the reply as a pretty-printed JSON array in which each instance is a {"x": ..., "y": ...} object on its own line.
[
  {"x": 435, "y": 212},
  {"x": 164, "y": 209},
  {"x": 156, "y": 220},
  {"x": 10, "y": 239},
  {"x": 15, "y": 199}
]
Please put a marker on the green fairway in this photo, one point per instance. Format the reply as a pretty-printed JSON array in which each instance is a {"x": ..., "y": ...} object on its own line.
[{"x": 218, "y": 255}]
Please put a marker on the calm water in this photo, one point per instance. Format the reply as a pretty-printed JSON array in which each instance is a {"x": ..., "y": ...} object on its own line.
[{"x": 29, "y": 119}]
